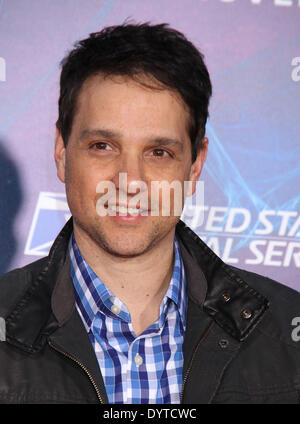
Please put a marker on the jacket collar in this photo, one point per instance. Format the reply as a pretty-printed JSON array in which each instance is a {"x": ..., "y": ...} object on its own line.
[
  {"x": 214, "y": 286},
  {"x": 49, "y": 301}
]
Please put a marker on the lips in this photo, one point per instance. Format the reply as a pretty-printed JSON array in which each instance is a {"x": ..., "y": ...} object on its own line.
[{"x": 127, "y": 210}]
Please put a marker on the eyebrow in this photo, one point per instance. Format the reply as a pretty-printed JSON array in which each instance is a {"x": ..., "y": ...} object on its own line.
[
  {"x": 164, "y": 141},
  {"x": 113, "y": 135},
  {"x": 98, "y": 133}
]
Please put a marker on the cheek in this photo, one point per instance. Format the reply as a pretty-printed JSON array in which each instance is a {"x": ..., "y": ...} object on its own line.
[
  {"x": 81, "y": 183},
  {"x": 78, "y": 172}
]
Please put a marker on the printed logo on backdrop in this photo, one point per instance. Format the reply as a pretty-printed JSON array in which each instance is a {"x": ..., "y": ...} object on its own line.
[
  {"x": 269, "y": 238},
  {"x": 239, "y": 236},
  {"x": 51, "y": 214}
]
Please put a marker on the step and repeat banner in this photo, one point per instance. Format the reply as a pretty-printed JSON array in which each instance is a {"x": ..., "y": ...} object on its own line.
[{"x": 251, "y": 214}]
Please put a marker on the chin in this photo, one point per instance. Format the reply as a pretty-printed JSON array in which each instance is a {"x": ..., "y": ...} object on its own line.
[
  {"x": 122, "y": 243},
  {"x": 125, "y": 249}
]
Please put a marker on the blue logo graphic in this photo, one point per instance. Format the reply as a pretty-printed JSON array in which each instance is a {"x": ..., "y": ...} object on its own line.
[{"x": 50, "y": 216}]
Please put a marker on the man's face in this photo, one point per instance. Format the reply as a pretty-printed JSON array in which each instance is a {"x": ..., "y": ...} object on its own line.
[{"x": 121, "y": 126}]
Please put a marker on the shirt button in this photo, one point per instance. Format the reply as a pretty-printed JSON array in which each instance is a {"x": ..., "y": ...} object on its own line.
[
  {"x": 223, "y": 343},
  {"x": 115, "y": 309},
  {"x": 138, "y": 360}
]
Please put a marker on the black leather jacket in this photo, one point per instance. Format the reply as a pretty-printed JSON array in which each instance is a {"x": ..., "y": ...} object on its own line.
[{"x": 238, "y": 346}]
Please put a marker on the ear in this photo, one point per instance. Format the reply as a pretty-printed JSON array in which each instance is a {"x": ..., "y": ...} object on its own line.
[
  {"x": 60, "y": 156},
  {"x": 197, "y": 166}
]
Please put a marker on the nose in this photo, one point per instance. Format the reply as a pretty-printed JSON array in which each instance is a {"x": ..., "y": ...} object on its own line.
[{"x": 130, "y": 175}]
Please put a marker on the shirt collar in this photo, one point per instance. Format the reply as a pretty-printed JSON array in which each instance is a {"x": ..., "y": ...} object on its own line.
[
  {"x": 92, "y": 295},
  {"x": 177, "y": 287}
]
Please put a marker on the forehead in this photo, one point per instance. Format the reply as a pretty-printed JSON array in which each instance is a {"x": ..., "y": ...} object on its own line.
[{"x": 126, "y": 103}]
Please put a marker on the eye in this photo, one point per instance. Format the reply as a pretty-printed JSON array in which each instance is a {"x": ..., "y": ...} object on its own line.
[
  {"x": 161, "y": 153},
  {"x": 101, "y": 145}
]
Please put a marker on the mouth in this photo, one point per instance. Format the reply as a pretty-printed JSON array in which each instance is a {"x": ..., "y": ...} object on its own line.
[{"x": 126, "y": 210}]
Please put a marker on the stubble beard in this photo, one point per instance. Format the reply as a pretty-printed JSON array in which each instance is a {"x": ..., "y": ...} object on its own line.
[{"x": 99, "y": 236}]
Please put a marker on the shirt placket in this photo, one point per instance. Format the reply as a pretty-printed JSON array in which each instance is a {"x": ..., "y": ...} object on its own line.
[{"x": 137, "y": 362}]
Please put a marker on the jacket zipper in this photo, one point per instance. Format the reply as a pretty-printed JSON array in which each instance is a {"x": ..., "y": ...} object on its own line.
[
  {"x": 192, "y": 360},
  {"x": 83, "y": 367}
]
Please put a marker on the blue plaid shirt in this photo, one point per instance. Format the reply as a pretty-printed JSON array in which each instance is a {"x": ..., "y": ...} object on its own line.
[{"x": 144, "y": 369}]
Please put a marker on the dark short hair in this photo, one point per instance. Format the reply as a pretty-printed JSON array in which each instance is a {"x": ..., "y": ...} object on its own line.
[{"x": 131, "y": 50}]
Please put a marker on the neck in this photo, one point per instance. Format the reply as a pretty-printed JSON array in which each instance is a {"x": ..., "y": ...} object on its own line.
[{"x": 137, "y": 281}]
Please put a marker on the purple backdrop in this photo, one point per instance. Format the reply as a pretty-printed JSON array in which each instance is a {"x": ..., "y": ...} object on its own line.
[{"x": 252, "y": 49}]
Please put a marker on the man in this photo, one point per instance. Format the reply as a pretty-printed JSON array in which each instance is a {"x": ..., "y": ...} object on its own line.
[{"x": 131, "y": 306}]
